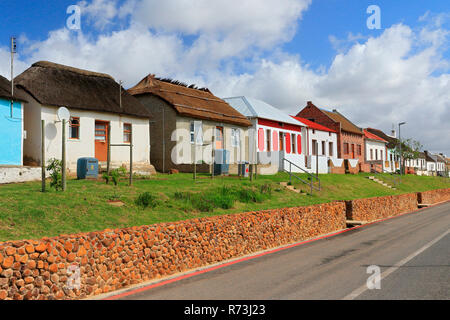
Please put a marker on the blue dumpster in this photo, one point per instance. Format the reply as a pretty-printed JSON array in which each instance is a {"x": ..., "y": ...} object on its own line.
[{"x": 87, "y": 168}]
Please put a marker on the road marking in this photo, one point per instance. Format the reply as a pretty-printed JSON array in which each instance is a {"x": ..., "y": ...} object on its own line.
[{"x": 392, "y": 269}]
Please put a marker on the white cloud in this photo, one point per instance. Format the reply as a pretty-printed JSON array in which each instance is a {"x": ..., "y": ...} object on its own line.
[{"x": 400, "y": 75}]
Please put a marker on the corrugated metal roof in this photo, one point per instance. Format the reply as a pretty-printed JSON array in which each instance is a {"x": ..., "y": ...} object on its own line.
[{"x": 253, "y": 108}]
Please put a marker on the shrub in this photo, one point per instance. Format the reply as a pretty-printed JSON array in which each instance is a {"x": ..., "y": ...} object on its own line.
[
  {"x": 55, "y": 168},
  {"x": 146, "y": 200}
]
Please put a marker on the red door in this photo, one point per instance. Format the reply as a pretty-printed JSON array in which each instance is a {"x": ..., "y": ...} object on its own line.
[
  {"x": 219, "y": 138},
  {"x": 353, "y": 151},
  {"x": 101, "y": 140}
]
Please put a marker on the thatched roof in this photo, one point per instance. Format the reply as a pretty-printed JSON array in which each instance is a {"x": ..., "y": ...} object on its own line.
[
  {"x": 5, "y": 91},
  {"x": 58, "y": 85},
  {"x": 190, "y": 101}
]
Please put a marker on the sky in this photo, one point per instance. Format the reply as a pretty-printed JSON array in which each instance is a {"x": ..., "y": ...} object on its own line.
[{"x": 285, "y": 52}]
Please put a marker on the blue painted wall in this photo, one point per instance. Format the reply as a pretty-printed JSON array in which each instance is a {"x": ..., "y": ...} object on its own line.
[{"x": 10, "y": 133}]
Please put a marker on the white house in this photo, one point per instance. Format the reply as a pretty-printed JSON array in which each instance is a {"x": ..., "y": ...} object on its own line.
[
  {"x": 97, "y": 105},
  {"x": 277, "y": 140},
  {"x": 321, "y": 142},
  {"x": 376, "y": 154}
]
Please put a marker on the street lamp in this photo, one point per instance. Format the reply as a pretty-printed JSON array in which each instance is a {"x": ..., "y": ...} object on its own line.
[{"x": 400, "y": 141}]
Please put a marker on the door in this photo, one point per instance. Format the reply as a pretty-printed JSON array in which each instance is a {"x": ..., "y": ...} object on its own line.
[
  {"x": 353, "y": 151},
  {"x": 219, "y": 138},
  {"x": 101, "y": 140},
  {"x": 281, "y": 136}
]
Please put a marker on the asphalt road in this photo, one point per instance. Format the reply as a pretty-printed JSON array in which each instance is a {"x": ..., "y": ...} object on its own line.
[{"x": 412, "y": 252}]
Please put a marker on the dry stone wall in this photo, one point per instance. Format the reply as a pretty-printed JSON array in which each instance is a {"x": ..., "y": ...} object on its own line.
[
  {"x": 434, "y": 196},
  {"x": 381, "y": 207},
  {"x": 112, "y": 259}
]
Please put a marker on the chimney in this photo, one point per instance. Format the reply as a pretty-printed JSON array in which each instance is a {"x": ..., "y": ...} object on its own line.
[{"x": 309, "y": 104}]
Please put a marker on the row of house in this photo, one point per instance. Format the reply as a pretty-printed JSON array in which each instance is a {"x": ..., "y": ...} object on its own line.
[{"x": 172, "y": 125}]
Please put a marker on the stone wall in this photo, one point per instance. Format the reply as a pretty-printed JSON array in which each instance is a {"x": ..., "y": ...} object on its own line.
[
  {"x": 113, "y": 259},
  {"x": 381, "y": 207},
  {"x": 433, "y": 196}
]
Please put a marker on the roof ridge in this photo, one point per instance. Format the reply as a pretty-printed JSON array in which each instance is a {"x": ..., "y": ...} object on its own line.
[{"x": 48, "y": 64}]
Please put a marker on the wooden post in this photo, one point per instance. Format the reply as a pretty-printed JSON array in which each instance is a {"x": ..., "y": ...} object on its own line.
[
  {"x": 43, "y": 155},
  {"x": 131, "y": 159},
  {"x": 108, "y": 153},
  {"x": 213, "y": 154},
  {"x": 63, "y": 173},
  {"x": 195, "y": 158}
]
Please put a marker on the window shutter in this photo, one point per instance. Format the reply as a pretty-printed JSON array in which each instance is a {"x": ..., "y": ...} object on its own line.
[
  {"x": 275, "y": 140},
  {"x": 261, "y": 139},
  {"x": 299, "y": 144},
  {"x": 288, "y": 143}
]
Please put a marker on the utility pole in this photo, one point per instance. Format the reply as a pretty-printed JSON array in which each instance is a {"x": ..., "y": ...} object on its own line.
[
  {"x": 13, "y": 51},
  {"x": 400, "y": 141}
]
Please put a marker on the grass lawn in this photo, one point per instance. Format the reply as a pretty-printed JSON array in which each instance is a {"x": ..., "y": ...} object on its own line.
[{"x": 26, "y": 213}]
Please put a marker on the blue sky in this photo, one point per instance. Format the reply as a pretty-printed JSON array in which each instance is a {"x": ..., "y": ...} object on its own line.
[
  {"x": 324, "y": 18},
  {"x": 286, "y": 53}
]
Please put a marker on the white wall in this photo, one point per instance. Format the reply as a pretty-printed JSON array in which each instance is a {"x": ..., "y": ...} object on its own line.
[
  {"x": 85, "y": 145},
  {"x": 321, "y": 136},
  {"x": 376, "y": 147}
]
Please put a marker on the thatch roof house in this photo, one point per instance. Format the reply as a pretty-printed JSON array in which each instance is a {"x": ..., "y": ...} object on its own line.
[
  {"x": 186, "y": 110},
  {"x": 98, "y": 105}
]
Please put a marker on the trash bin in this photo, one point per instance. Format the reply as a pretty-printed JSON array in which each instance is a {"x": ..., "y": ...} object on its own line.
[
  {"x": 87, "y": 168},
  {"x": 244, "y": 169}
]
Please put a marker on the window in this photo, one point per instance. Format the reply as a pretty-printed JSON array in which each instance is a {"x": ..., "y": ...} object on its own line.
[
  {"x": 314, "y": 147},
  {"x": 196, "y": 126},
  {"x": 219, "y": 138},
  {"x": 323, "y": 148},
  {"x": 127, "y": 132},
  {"x": 268, "y": 142},
  {"x": 235, "y": 137},
  {"x": 376, "y": 154},
  {"x": 293, "y": 136},
  {"x": 359, "y": 150},
  {"x": 281, "y": 137},
  {"x": 371, "y": 154},
  {"x": 330, "y": 149},
  {"x": 381, "y": 154},
  {"x": 74, "y": 128},
  {"x": 346, "y": 151}
]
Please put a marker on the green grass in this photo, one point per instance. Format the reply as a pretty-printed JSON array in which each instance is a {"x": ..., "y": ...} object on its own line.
[{"x": 26, "y": 213}]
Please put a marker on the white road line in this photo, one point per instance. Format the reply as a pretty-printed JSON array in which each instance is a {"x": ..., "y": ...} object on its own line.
[{"x": 392, "y": 269}]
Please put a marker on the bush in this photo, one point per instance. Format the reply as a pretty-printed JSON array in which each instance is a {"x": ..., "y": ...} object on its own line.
[
  {"x": 55, "y": 168},
  {"x": 146, "y": 200}
]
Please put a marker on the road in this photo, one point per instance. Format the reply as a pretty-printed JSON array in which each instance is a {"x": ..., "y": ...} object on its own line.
[{"x": 412, "y": 252}]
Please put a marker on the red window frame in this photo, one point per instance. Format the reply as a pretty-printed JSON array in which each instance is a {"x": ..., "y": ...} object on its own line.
[
  {"x": 73, "y": 126},
  {"x": 127, "y": 132}
]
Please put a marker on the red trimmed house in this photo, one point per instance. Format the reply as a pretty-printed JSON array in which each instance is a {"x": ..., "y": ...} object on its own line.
[
  {"x": 322, "y": 142},
  {"x": 278, "y": 137},
  {"x": 350, "y": 138},
  {"x": 376, "y": 153}
]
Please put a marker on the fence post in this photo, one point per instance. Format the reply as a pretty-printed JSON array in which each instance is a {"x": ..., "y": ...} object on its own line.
[
  {"x": 63, "y": 173},
  {"x": 43, "y": 155},
  {"x": 131, "y": 160}
]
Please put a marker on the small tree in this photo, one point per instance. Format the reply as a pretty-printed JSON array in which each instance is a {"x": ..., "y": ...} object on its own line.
[
  {"x": 410, "y": 151},
  {"x": 55, "y": 169}
]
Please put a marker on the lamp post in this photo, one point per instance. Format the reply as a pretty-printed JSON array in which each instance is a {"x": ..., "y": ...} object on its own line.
[{"x": 400, "y": 141}]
